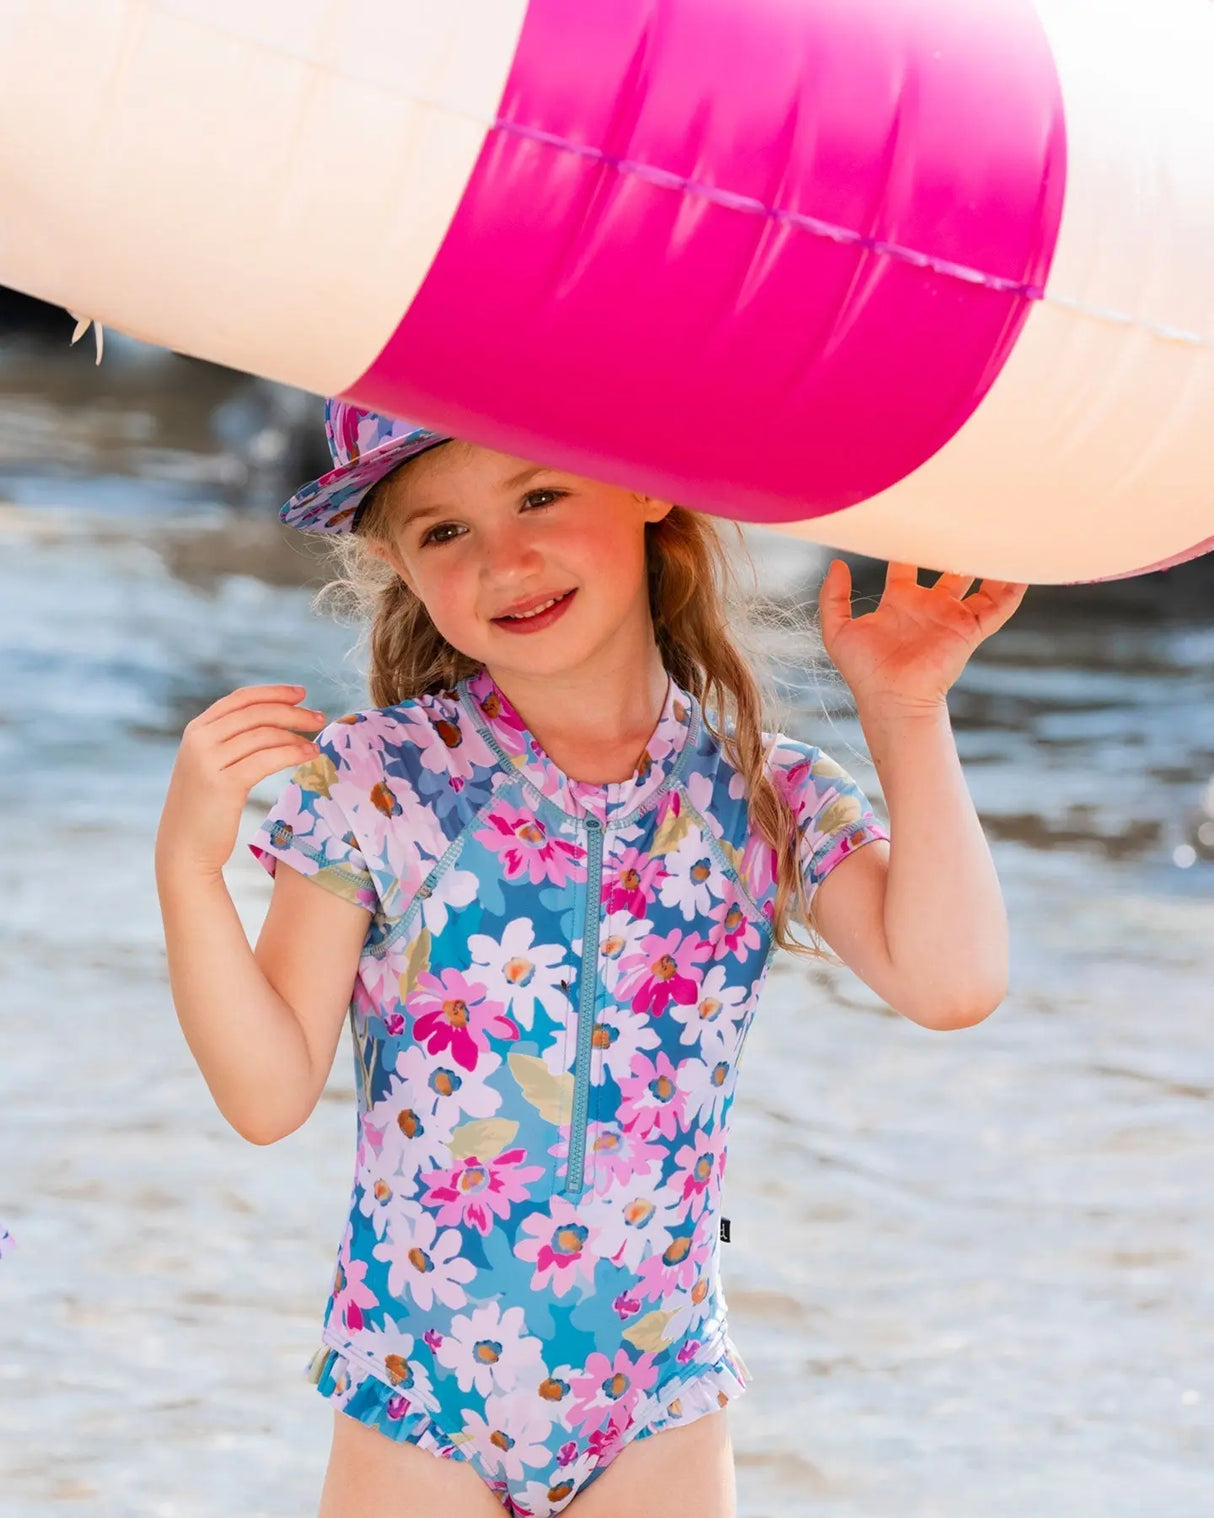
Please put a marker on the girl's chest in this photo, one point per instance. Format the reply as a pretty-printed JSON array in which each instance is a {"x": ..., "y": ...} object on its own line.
[{"x": 530, "y": 926}]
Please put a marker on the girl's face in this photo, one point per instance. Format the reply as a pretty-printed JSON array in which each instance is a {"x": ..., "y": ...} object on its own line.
[{"x": 474, "y": 533}]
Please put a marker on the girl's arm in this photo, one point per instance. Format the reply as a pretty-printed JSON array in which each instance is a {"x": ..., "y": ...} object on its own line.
[
  {"x": 921, "y": 920},
  {"x": 262, "y": 1026}
]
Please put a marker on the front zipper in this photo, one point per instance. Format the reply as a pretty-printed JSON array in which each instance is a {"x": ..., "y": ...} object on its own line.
[{"x": 575, "y": 1168}]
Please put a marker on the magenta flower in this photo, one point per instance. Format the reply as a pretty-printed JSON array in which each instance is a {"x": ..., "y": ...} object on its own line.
[
  {"x": 664, "y": 969},
  {"x": 735, "y": 935},
  {"x": 630, "y": 886},
  {"x": 475, "y": 1191},
  {"x": 605, "y": 1443},
  {"x": 521, "y": 841},
  {"x": 457, "y": 1016}
]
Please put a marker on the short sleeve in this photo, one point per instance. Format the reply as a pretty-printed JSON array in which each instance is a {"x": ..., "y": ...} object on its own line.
[
  {"x": 308, "y": 828},
  {"x": 834, "y": 816}
]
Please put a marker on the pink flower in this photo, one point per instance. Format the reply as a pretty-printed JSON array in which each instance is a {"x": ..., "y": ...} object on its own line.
[
  {"x": 350, "y": 1292},
  {"x": 671, "y": 805},
  {"x": 475, "y": 1191},
  {"x": 370, "y": 1142},
  {"x": 621, "y": 1155},
  {"x": 609, "y": 1390},
  {"x": 846, "y": 844},
  {"x": 560, "y": 1247},
  {"x": 630, "y": 885},
  {"x": 696, "y": 1167},
  {"x": 758, "y": 867},
  {"x": 661, "y": 971},
  {"x": 460, "y": 1018},
  {"x": 522, "y": 843},
  {"x": 651, "y": 1097},
  {"x": 677, "y": 1268},
  {"x": 736, "y": 935}
]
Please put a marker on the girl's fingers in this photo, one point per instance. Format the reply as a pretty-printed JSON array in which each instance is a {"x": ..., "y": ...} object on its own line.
[
  {"x": 277, "y": 713},
  {"x": 901, "y": 574},
  {"x": 251, "y": 740},
  {"x": 834, "y": 600},
  {"x": 954, "y": 585},
  {"x": 246, "y": 695},
  {"x": 266, "y": 761},
  {"x": 994, "y": 604}
]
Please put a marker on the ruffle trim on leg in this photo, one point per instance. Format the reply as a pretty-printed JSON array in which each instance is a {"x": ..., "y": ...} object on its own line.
[
  {"x": 355, "y": 1391},
  {"x": 705, "y": 1389}
]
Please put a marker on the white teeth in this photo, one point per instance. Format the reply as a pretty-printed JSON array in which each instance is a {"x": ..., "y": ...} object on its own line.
[{"x": 534, "y": 612}]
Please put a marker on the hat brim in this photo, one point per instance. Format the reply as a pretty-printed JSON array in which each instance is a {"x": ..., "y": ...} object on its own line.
[{"x": 332, "y": 501}]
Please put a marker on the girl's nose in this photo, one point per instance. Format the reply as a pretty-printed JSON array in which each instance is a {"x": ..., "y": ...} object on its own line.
[{"x": 509, "y": 548}]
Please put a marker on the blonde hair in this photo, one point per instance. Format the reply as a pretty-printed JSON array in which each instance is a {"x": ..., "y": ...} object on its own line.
[{"x": 706, "y": 632}]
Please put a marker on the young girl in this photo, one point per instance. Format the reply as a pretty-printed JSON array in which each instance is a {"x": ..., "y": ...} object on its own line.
[{"x": 552, "y": 883}]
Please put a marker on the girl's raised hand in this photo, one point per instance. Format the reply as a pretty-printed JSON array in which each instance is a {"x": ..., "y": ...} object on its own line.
[
  {"x": 225, "y": 750},
  {"x": 911, "y": 649}
]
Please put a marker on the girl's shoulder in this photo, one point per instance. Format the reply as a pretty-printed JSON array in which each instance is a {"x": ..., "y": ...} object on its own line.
[
  {"x": 825, "y": 797},
  {"x": 380, "y": 803},
  {"x": 421, "y": 724},
  {"x": 795, "y": 758},
  {"x": 787, "y": 760},
  {"x": 805, "y": 775}
]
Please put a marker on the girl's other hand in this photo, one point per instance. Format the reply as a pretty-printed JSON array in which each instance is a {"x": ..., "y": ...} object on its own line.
[
  {"x": 225, "y": 750},
  {"x": 911, "y": 649}
]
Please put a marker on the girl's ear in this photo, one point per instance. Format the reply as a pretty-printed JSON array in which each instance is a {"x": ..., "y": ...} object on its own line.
[
  {"x": 654, "y": 510},
  {"x": 385, "y": 552}
]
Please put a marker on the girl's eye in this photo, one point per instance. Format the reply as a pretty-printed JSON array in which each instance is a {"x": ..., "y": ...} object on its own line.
[{"x": 429, "y": 538}]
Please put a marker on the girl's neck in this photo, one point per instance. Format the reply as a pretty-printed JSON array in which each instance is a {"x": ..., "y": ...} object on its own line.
[{"x": 594, "y": 729}]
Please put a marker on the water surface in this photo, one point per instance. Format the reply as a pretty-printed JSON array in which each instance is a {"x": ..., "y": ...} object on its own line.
[{"x": 970, "y": 1272}]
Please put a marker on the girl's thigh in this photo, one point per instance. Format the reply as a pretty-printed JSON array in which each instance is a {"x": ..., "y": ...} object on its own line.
[
  {"x": 676, "y": 1473},
  {"x": 372, "y": 1476}
]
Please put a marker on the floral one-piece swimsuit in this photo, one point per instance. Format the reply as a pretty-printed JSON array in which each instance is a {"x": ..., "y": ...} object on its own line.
[{"x": 547, "y": 1020}]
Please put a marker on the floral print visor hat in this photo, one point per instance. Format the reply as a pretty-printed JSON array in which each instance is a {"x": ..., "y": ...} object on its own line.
[{"x": 364, "y": 446}]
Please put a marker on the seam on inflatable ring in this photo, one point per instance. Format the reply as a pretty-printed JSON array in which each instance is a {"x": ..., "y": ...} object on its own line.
[{"x": 844, "y": 235}]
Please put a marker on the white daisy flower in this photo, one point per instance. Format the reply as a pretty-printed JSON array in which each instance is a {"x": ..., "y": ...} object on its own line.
[
  {"x": 422, "y": 1263},
  {"x": 492, "y": 1350},
  {"x": 520, "y": 972}
]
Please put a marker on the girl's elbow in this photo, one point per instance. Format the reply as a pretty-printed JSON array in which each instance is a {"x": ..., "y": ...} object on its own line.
[
  {"x": 960, "y": 1007},
  {"x": 264, "y": 1128}
]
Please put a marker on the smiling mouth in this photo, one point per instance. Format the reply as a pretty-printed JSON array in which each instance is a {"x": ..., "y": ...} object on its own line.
[{"x": 535, "y": 611}]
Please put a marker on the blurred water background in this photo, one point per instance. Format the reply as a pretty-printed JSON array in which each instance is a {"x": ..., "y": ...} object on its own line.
[{"x": 971, "y": 1273}]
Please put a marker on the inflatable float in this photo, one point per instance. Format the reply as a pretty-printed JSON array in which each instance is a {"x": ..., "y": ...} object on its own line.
[{"x": 922, "y": 279}]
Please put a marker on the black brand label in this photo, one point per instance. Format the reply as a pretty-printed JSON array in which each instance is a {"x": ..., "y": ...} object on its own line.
[{"x": 725, "y": 1229}]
